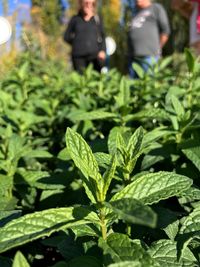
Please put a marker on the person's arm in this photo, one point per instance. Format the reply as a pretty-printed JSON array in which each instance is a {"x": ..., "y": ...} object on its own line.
[
  {"x": 102, "y": 44},
  {"x": 70, "y": 31},
  {"x": 163, "y": 25},
  {"x": 163, "y": 39}
]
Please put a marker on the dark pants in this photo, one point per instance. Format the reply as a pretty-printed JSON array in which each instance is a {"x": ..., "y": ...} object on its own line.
[{"x": 80, "y": 63}]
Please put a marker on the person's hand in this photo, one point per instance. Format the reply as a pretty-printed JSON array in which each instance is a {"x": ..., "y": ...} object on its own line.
[{"x": 101, "y": 55}]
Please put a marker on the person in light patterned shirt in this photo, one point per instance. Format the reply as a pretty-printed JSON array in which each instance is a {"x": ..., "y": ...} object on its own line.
[{"x": 148, "y": 32}]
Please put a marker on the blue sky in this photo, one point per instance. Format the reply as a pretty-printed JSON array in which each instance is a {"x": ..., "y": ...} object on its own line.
[{"x": 14, "y": 4}]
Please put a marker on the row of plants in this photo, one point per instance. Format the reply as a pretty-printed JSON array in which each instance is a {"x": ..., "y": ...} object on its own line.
[{"x": 98, "y": 169}]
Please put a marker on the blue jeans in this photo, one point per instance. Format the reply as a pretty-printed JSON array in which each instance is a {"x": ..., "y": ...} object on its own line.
[{"x": 145, "y": 62}]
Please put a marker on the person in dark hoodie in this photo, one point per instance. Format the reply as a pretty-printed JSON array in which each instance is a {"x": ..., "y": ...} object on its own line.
[{"x": 85, "y": 34}]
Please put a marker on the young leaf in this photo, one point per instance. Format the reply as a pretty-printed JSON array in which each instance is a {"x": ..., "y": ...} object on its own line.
[
  {"x": 135, "y": 142},
  {"x": 177, "y": 106},
  {"x": 84, "y": 159},
  {"x": 39, "y": 224},
  {"x": 153, "y": 187},
  {"x": 133, "y": 211},
  {"x": 20, "y": 260},
  {"x": 108, "y": 176}
]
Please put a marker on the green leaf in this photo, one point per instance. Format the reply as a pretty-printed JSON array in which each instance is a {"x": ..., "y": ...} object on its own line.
[
  {"x": 172, "y": 230},
  {"x": 134, "y": 148},
  {"x": 133, "y": 211},
  {"x": 119, "y": 247},
  {"x": 139, "y": 70},
  {"x": 193, "y": 154},
  {"x": 152, "y": 187},
  {"x": 190, "y": 229},
  {"x": 190, "y": 60},
  {"x": 153, "y": 113},
  {"x": 177, "y": 106},
  {"x": 190, "y": 195},
  {"x": 164, "y": 252},
  {"x": 123, "y": 98},
  {"x": 81, "y": 115},
  {"x": 135, "y": 142},
  {"x": 86, "y": 230},
  {"x": 103, "y": 159},
  {"x": 84, "y": 159},
  {"x": 20, "y": 260},
  {"x": 38, "y": 154},
  {"x": 39, "y": 224},
  {"x": 108, "y": 176},
  {"x": 112, "y": 138}
]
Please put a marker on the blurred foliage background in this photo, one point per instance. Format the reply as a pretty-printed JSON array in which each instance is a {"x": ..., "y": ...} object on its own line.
[{"x": 43, "y": 33}]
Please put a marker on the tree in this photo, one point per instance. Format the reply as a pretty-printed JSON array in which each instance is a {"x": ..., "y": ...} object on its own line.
[{"x": 49, "y": 14}]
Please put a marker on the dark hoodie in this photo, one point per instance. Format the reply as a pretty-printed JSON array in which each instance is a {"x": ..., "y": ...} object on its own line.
[{"x": 86, "y": 37}]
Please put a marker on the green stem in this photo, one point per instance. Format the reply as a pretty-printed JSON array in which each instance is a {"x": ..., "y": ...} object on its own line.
[
  {"x": 128, "y": 230},
  {"x": 103, "y": 225}
]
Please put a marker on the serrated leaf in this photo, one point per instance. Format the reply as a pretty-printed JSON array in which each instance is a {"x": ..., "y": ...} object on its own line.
[
  {"x": 164, "y": 252},
  {"x": 81, "y": 115},
  {"x": 193, "y": 154},
  {"x": 20, "y": 260},
  {"x": 152, "y": 187},
  {"x": 86, "y": 230},
  {"x": 103, "y": 159},
  {"x": 108, "y": 176},
  {"x": 177, "y": 106},
  {"x": 39, "y": 224},
  {"x": 190, "y": 195},
  {"x": 112, "y": 139},
  {"x": 120, "y": 248},
  {"x": 190, "y": 229},
  {"x": 133, "y": 211},
  {"x": 6, "y": 183},
  {"x": 84, "y": 159},
  {"x": 135, "y": 142},
  {"x": 153, "y": 113},
  {"x": 172, "y": 229}
]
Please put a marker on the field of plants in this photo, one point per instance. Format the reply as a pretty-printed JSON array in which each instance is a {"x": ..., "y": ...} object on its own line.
[{"x": 99, "y": 170}]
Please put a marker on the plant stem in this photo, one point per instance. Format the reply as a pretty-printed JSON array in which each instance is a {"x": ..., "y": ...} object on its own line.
[
  {"x": 103, "y": 225},
  {"x": 128, "y": 230}
]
